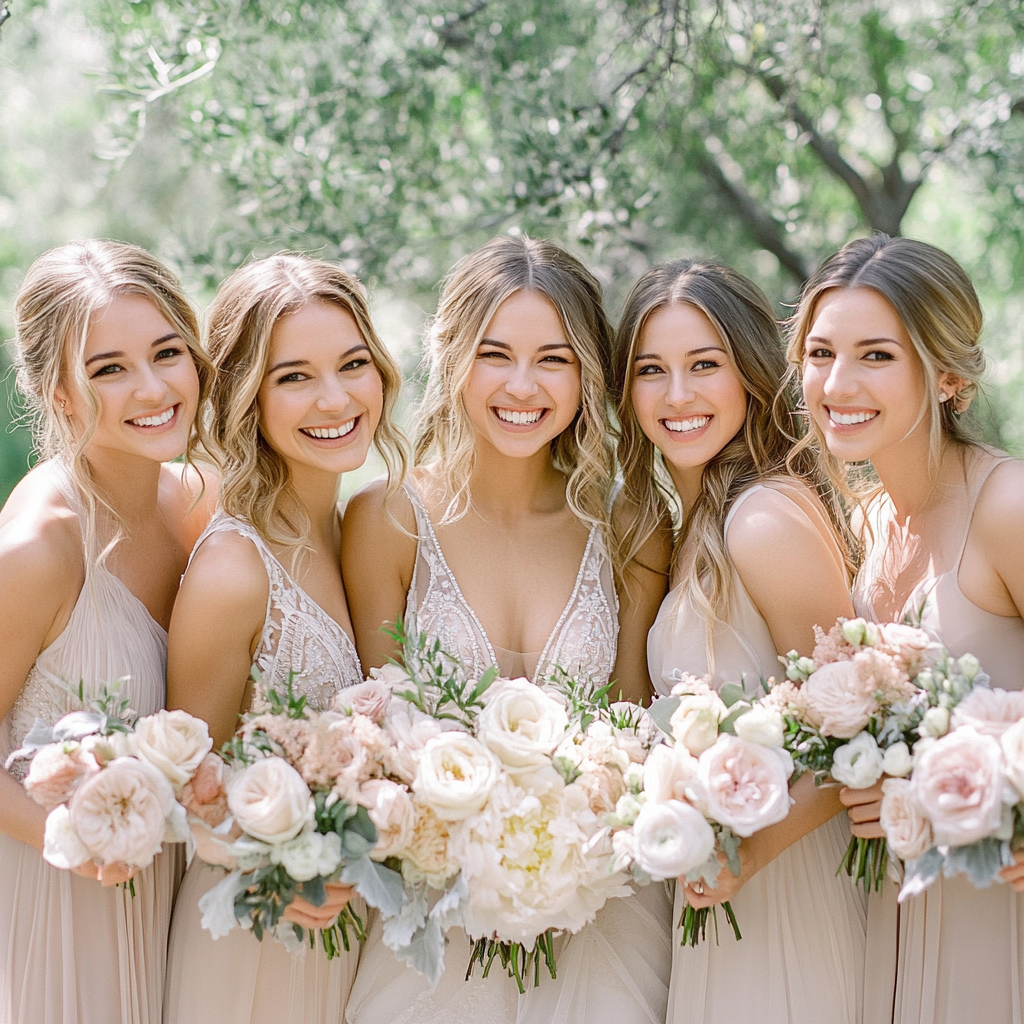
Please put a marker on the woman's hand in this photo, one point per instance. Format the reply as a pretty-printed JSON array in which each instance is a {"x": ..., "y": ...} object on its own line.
[
  {"x": 864, "y": 808},
  {"x": 1014, "y": 874},
  {"x": 699, "y": 895},
  {"x": 302, "y": 912},
  {"x": 106, "y": 874}
]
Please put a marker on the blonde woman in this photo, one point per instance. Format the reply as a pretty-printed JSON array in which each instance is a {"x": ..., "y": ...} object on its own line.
[
  {"x": 886, "y": 336},
  {"x": 303, "y": 387},
  {"x": 92, "y": 545},
  {"x": 498, "y": 551},
  {"x": 755, "y": 562}
]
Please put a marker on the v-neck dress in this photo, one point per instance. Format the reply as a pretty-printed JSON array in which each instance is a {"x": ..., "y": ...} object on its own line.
[
  {"x": 238, "y": 979},
  {"x": 616, "y": 970}
]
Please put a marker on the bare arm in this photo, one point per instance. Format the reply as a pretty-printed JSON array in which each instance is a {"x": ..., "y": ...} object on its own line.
[
  {"x": 217, "y": 619},
  {"x": 643, "y": 587},
  {"x": 377, "y": 560}
]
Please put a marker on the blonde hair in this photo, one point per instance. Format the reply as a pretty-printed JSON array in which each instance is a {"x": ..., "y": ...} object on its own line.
[
  {"x": 53, "y": 311},
  {"x": 938, "y": 306},
  {"x": 241, "y": 320},
  {"x": 470, "y": 297},
  {"x": 762, "y": 448}
]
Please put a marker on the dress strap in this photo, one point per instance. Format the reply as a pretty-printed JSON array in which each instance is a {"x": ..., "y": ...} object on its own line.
[
  {"x": 740, "y": 498},
  {"x": 976, "y": 487}
]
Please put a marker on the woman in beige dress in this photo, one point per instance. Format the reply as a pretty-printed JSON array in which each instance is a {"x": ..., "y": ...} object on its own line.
[
  {"x": 92, "y": 545},
  {"x": 886, "y": 336},
  {"x": 303, "y": 387},
  {"x": 755, "y": 561}
]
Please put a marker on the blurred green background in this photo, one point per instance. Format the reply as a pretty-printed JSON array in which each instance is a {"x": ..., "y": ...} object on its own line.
[{"x": 396, "y": 137}]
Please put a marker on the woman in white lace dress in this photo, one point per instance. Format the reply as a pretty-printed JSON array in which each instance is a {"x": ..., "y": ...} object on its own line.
[
  {"x": 303, "y": 387},
  {"x": 92, "y": 545},
  {"x": 508, "y": 502},
  {"x": 756, "y": 562}
]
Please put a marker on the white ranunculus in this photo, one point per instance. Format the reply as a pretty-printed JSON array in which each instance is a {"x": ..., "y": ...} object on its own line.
[
  {"x": 173, "y": 742},
  {"x": 761, "y": 725},
  {"x": 61, "y": 846},
  {"x": 897, "y": 760},
  {"x": 520, "y": 724},
  {"x": 743, "y": 785},
  {"x": 695, "y": 721},
  {"x": 835, "y": 702},
  {"x": 906, "y": 829},
  {"x": 270, "y": 801},
  {"x": 935, "y": 723},
  {"x": 1012, "y": 743},
  {"x": 309, "y": 855},
  {"x": 858, "y": 764},
  {"x": 671, "y": 839},
  {"x": 456, "y": 774},
  {"x": 391, "y": 809},
  {"x": 668, "y": 770}
]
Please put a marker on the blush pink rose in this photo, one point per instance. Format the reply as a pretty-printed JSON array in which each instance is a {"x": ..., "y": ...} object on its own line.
[
  {"x": 834, "y": 701},
  {"x": 206, "y": 796},
  {"x": 56, "y": 772},
  {"x": 989, "y": 712},
  {"x": 370, "y": 698},
  {"x": 906, "y": 829}
]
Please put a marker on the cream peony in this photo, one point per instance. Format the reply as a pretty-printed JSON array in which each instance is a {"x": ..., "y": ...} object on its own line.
[
  {"x": 834, "y": 701},
  {"x": 370, "y": 698},
  {"x": 426, "y": 857},
  {"x": 694, "y": 722},
  {"x": 56, "y": 771},
  {"x": 858, "y": 764},
  {"x": 174, "y": 743},
  {"x": 391, "y": 809},
  {"x": 989, "y": 712},
  {"x": 761, "y": 725},
  {"x": 668, "y": 770},
  {"x": 1012, "y": 744},
  {"x": 743, "y": 785},
  {"x": 121, "y": 813},
  {"x": 958, "y": 784},
  {"x": 520, "y": 724},
  {"x": 671, "y": 839},
  {"x": 270, "y": 801},
  {"x": 907, "y": 830},
  {"x": 455, "y": 775}
]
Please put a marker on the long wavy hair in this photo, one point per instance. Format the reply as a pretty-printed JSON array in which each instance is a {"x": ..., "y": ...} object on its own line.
[
  {"x": 470, "y": 296},
  {"x": 936, "y": 303},
  {"x": 762, "y": 448},
  {"x": 241, "y": 319},
  {"x": 61, "y": 294}
]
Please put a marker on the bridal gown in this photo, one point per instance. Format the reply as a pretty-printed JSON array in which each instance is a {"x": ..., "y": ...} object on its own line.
[
  {"x": 75, "y": 952},
  {"x": 238, "y": 979},
  {"x": 616, "y": 970},
  {"x": 955, "y": 953},
  {"x": 801, "y": 957}
]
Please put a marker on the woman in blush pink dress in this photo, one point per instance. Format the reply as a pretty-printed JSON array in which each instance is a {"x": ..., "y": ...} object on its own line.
[{"x": 886, "y": 338}]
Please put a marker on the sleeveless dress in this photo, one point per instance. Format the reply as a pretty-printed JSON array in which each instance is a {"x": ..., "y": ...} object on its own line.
[
  {"x": 954, "y": 953},
  {"x": 616, "y": 970},
  {"x": 801, "y": 957},
  {"x": 74, "y": 952},
  {"x": 237, "y": 979}
]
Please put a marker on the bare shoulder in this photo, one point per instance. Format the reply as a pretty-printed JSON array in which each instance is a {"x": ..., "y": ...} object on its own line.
[
  {"x": 189, "y": 494},
  {"x": 999, "y": 513},
  {"x": 774, "y": 521},
  {"x": 370, "y": 517},
  {"x": 227, "y": 573}
]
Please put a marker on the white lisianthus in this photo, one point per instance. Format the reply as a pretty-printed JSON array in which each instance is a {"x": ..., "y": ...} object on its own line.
[
  {"x": 520, "y": 724},
  {"x": 761, "y": 725},
  {"x": 860, "y": 632},
  {"x": 270, "y": 801},
  {"x": 309, "y": 855},
  {"x": 858, "y": 764},
  {"x": 173, "y": 742},
  {"x": 935, "y": 723},
  {"x": 897, "y": 760},
  {"x": 906, "y": 829},
  {"x": 695, "y": 721},
  {"x": 668, "y": 770},
  {"x": 455, "y": 776},
  {"x": 969, "y": 666},
  {"x": 1012, "y": 743},
  {"x": 671, "y": 839}
]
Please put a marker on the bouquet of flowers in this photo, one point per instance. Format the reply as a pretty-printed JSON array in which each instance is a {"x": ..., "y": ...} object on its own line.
[
  {"x": 857, "y": 706},
  {"x": 287, "y": 808},
  {"x": 961, "y": 811},
  {"x": 111, "y": 781},
  {"x": 722, "y": 776},
  {"x": 509, "y": 784}
]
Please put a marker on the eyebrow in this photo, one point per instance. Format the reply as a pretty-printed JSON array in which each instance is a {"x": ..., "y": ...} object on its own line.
[
  {"x": 291, "y": 363},
  {"x": 692, "y": 352},
  {"x": 813, "y": 339},
  {"x": 542, "y": 348},
  {"x": 120, "y": 355}
]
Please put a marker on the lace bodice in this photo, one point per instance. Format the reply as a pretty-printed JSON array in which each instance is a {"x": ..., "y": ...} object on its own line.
[
  {"x": 583, "y": 640},
  {"x": 298, "y": 635}
]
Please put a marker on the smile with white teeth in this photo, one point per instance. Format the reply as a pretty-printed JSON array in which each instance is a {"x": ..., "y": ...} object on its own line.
[
  {"x": 155, "y": 421},
  {"x": 845, "y": 419},
  {"x": 681, "y": 426},
  {"x": 514, "y": 416},
  {"x": 328, "y": 433}
]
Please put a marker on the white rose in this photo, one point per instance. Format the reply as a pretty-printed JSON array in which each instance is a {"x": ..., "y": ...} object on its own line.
[
  {"x": 173, "y": 742},
  {"x": 668, "y": 771},
  {"x": 1012, "y": 743},
  {"x": 907, "y": 830},
  {"x": 694, "y": 722},
  {"x": 61, "y": 846},
  {"x": 671, "y": 839},
  {"x": 410, "y": 729},
  {"x": 858, "y": 764},
  {"x": 521, "y": 724},
  {"x": 897, "y": 760},
  {"x": 761, "y": 725},
  {"x": 456, "y": 774},
  {"x": 309, "y": 855},
  {"x": 835, "y": 702},
  {"x": 391, "y": 809},
  {"x": 270, "y": 801},
  {"x": 935, "y": 723}
]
